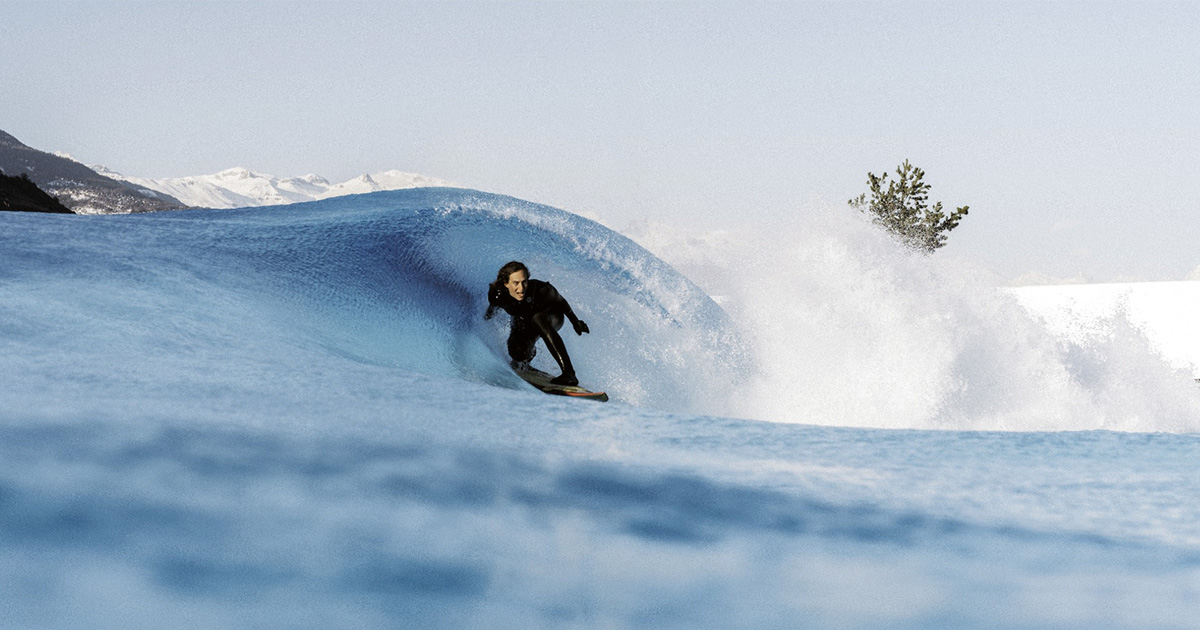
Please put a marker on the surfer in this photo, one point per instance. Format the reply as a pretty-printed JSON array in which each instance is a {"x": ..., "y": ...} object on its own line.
[{"x": 537, "y": 311}]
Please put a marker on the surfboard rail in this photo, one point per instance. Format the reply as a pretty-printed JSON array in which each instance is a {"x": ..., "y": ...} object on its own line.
[{"x": 541, "y": 380}]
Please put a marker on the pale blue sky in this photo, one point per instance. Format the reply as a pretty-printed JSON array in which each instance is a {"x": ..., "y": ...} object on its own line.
[{"x": 1071, "y": 129}]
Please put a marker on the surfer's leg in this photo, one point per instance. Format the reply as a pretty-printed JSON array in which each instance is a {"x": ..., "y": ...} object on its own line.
[
  {"x": 521, "y": 340},
  {"x": 547, "y": 325}
]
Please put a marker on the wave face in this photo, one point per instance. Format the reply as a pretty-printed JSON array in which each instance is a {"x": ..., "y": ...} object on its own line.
[{"x": 208, "y": 302}]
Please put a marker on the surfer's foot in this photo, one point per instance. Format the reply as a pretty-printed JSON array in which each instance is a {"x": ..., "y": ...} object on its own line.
[
  {"x": 567, "y": 378},
  {"x": 520, "y": 366}
]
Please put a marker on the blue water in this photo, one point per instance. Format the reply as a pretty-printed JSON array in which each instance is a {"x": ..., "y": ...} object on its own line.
[{"x": 297, "y": 417}]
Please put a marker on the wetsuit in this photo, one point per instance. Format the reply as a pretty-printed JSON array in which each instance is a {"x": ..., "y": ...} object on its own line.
[{"x": 539, "y": 315}]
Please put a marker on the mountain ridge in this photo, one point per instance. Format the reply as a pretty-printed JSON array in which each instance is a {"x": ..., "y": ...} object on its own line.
[{"x": 75, "y": 185}]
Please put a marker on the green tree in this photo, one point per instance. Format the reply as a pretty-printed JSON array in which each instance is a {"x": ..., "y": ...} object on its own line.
[{"x": 903, "y": 209}]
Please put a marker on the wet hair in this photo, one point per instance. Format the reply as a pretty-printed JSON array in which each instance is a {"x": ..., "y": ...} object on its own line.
[{"x": 509, "y": 269}]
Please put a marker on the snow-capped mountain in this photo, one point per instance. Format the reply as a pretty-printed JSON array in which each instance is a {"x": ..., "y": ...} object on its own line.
[
  {"x": 387, "y": 180},
  {"x": 240, "y": 187}
]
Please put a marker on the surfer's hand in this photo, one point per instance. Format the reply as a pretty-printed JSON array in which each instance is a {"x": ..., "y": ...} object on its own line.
[
  {"x": 491, "y": 310},
  {"x": 580, "y": 327}
]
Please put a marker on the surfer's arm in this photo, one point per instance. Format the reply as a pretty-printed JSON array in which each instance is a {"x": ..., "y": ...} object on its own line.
[
  {"x": 576, "y": 323},
  {"x": 496, "y": 293},
  {"x": 565, "y": 308}
]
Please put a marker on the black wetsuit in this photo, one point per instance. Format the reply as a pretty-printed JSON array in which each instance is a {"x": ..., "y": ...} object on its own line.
[{"x": 538, "y": 316}]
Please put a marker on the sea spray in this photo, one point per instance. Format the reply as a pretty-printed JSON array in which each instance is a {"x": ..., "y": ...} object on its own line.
[{"x": 849, "y": 328}]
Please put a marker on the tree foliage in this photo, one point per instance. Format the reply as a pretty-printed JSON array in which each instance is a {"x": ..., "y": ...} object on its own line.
[
  {"x": 902, "y": 208},
  {"x": 21, "y": 194}
]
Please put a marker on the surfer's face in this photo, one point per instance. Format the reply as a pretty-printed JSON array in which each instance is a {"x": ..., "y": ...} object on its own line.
[{"x": 517, "y": 281}]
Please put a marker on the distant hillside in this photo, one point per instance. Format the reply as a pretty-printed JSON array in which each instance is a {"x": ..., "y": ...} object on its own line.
[
  {"x": 20, "y": 194},
  {"x": 79, "y": 188}
]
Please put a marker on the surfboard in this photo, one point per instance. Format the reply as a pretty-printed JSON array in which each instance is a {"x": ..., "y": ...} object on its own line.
[{"x": 541, "y": 380}]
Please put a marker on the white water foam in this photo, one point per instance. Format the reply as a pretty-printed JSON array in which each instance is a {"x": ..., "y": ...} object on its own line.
[{"x": 848, "y": 328}]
